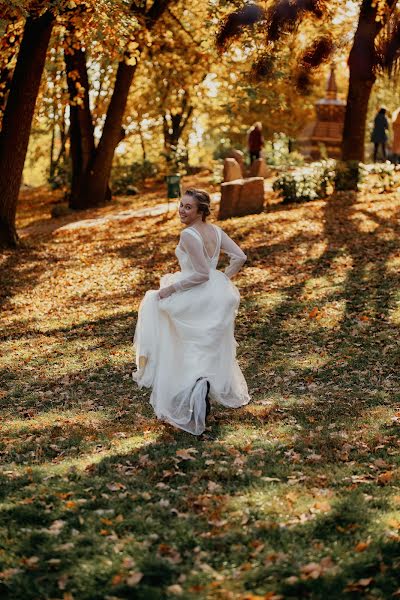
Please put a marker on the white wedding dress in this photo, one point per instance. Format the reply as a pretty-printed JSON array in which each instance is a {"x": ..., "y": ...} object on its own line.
[{"x": 188, "y": 339}]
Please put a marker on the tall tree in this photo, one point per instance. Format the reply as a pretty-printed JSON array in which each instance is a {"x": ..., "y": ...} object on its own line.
[
  {"x": 82, "y": 143},
  {"x": 178, "y": 66},
  {"x": 363, "y": 63},
  {"x": 9, "y": 46},
  {"x": 93, "y": 188},
  {"x": 17, "y": 118}
]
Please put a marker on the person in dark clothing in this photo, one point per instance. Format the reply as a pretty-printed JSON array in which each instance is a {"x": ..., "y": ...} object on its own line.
[
  {"x": 255, "y": 141},
  {"x": 379, "y": 136}
]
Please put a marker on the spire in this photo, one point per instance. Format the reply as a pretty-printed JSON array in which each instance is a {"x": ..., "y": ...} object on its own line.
[{"x": 331, "y": 88}]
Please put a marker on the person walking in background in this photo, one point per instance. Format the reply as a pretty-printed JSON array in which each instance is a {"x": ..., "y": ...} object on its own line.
[
  {"x": 396, "y": 135},
  {"x": 255, "y": 141},
  {"x": 379, "y": 136}
]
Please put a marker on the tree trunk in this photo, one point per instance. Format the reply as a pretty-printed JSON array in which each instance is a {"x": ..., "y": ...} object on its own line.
[
  {"x": 142, "y": 143},
  {"x": 94, "y": 190},
  {"x": 82, "y": 145},
  {"x": 174, "y": 126},
  {"x": 17, "y": 120},
  {"x": 52, "y": 162},
  {"x": 9, "y": 46},
  {"x": 356, "y": 118},
  {"x": 362, "y": 64}
]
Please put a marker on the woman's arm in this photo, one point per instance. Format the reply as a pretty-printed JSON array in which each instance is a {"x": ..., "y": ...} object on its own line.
[
  {"x": 237, "y": 257},
  {"x": 201, "y": 269}
]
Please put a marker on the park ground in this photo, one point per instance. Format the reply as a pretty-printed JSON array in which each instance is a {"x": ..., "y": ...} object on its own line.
[{"x": 295, "y": 496}]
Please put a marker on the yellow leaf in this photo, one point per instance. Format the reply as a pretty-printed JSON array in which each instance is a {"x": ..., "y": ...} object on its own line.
[{"x": 131, "y": 62}]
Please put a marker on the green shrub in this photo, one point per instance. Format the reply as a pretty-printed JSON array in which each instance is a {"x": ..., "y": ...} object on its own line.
[
  {"x": 176, "y": 159},
  {"x": 276, "y": 153},
  {"x": 307, "y": 183},
  {"x": 124, "y": 178},
  {"x": 61, "y": 178}
]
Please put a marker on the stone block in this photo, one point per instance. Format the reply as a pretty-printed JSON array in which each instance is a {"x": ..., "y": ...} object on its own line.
[
  {"x": 251, "y": 199},
  {"x": 239, "y": 157},
  {"x": 258, "y": 168},
  {"x": 232, "y": 170},
  {"x": 241, "y": 197},
  {"x": 230, "y": 197}
]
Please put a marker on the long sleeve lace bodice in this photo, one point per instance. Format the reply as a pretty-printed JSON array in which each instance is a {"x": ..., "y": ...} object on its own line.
[
  {"x": 200, "y": 267},
  {"x": 195, "y": 262},
  {"x": 237, "y": 257}
]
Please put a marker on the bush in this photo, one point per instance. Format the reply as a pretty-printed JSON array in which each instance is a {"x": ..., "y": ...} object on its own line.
[
  {"x": 276, "y": 153},
  {"x": 225, "y": 147},
  {"x": 350, "y": 175},
  {"x": 124, "y": 179},
  {"x": 61, "y": 178},
  {"x": 388, "y": 175},
  {"x": 308, "y": 183},
  {"x": 176, "y": 159}
]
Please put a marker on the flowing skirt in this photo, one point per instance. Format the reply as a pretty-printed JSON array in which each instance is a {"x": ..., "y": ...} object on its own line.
[{"x": 188, "y": 339}]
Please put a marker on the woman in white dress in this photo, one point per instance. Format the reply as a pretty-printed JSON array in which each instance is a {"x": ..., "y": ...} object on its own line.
[{"x": 184, "y": 339}]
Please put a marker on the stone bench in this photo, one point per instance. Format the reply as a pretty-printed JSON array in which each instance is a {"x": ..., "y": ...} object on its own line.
[{"x": 241, "y": 197}]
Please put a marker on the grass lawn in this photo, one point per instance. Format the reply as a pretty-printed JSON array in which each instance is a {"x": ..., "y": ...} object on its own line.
[{"x": 295, "y": 496}]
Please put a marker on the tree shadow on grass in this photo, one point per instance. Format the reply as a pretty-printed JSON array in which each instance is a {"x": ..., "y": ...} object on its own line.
[
  {"x": 354, "y": 345},
  {"x": 20, "y": 270},
  {"x": 176, "y": 506}
]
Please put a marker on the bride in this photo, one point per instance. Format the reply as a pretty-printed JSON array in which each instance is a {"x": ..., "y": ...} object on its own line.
[{"x": 184, "y": 339}]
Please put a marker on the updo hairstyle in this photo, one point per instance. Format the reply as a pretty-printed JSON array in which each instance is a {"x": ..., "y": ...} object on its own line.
[{"x": 203, "y": 201}]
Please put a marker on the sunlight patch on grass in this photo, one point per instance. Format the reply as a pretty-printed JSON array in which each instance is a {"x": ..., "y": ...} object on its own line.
[
  {"x": 307, "y": 360},
  {"x": 394, "y": 314},
  {"x": 266, "y": 302},
  {"x": 55, "y": 419},
  {"x": 365, "y": 224},
  {"x": 85, "y": 460},
  {"x": 393, "y": 264}
]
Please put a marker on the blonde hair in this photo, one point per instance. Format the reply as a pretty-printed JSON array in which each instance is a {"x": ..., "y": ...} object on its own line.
[{"x": 203, "y": 201}]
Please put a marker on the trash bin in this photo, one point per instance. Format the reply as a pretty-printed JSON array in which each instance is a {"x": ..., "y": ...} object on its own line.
[{"x": 173, "y": 186}]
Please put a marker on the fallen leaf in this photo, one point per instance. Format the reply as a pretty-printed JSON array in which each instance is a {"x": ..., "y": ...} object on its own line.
[
  {"x": 361, "y": 546},
  {"x": 385, "y": 477},
  {"x": 134, "y": 578},
  {"x": 357, "y": 586},
  {"x": 186, "y": 453},
  {"x": 175, "y": 589}
]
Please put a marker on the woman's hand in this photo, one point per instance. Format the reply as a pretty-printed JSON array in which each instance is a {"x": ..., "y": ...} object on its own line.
[{"x": 165, "y": 292}]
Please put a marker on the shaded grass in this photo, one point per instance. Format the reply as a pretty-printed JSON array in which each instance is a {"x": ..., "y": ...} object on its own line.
[{"x": 297, "y": 495}]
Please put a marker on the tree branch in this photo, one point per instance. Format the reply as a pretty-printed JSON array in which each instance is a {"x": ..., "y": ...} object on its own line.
[{"x": 155, "y": 12}]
